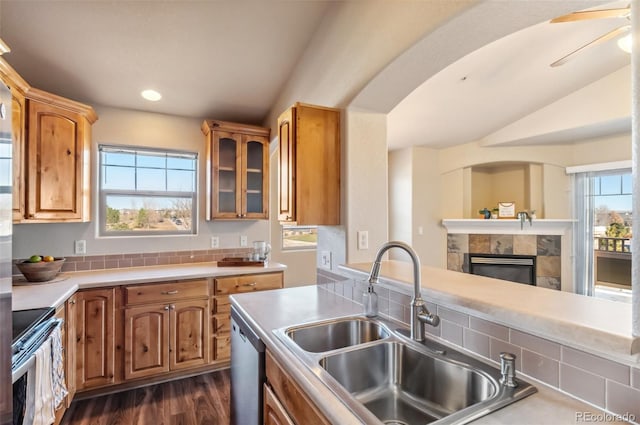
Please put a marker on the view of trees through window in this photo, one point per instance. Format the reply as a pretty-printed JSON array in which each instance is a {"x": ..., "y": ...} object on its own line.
[
  {"x": 146, "y": 191},
  {"x": 613, "y": 212}
]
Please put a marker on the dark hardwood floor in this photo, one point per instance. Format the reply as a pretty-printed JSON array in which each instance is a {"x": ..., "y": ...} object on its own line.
[{"x": 200, "y": 400}]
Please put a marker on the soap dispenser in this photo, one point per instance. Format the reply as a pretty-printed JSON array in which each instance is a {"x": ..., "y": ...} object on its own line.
[{"x": 370, "y": 302}]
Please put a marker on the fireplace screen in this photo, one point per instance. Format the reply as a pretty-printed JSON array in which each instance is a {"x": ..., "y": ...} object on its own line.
[{"x": 515, "y": 268}]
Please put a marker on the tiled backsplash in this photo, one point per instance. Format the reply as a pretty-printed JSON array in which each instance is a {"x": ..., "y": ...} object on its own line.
[
  {"x": 120, "y": 261},
  {"x": 546, "y": 248},
  {"x": 605, "y": 383}
]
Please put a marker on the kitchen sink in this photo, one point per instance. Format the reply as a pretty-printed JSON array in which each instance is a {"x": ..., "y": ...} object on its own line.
[
  {"x": 401, "y": 385},
  {"x": 385, "y": 377},
  {"x": 335, "y": 334}
]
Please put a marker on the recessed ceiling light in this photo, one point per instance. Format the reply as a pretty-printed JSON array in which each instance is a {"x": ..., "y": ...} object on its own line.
[
  {"x": 151, "y": 95},
  {"x": 625, "y": 43}
]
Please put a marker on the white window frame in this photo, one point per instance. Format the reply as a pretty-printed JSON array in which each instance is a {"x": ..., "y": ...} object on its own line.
[{"x": 104, "y": 193}]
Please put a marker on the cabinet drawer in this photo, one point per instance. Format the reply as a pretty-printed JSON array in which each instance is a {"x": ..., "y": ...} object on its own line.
[
  {"x": 161, "y": 292},
  {"x": 221, "y": 304},
  {"x": 247, "y": 283},
  {"x": 221, "y": 324},
  {"x": 222, "y": 347}
]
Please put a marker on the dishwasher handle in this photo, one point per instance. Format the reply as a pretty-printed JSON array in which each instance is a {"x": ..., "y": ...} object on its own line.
[{"x": 245, "y": 331}]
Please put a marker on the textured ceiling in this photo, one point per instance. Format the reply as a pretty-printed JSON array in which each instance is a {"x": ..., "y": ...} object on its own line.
[{"x": 223, "y": 59}]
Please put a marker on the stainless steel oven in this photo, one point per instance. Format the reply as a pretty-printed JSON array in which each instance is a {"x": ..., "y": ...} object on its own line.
[{"x": 31, "y": 329}]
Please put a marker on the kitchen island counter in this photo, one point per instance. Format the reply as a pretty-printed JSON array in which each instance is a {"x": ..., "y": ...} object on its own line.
[{"x": 267, "y": 311}]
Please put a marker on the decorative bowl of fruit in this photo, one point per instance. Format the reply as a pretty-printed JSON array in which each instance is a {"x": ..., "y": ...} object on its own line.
[{"x": 40, "y": 268}]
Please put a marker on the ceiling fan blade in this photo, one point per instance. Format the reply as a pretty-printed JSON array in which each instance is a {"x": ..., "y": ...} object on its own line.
[
  {"x": 593, "y": 14},
  {"x": 608, "y": 36}
]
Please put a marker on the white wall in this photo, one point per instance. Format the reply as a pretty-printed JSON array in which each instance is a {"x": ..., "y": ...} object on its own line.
[
  {"x": 400, "y": 195},
  {"x": 366, "y": 206},
  {"x": 429, "y": 239},
  {"x": 127, "y": 127}
]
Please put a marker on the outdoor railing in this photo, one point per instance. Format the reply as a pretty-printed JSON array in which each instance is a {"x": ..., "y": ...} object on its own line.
[{"x": 604, "y": 243}]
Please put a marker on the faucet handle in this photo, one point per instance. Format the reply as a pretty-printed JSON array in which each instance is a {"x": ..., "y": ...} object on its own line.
[{"x": 508, "y": 370}]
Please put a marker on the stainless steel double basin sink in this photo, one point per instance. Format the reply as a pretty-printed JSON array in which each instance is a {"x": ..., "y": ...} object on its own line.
[{"x": 385, "y": 377}]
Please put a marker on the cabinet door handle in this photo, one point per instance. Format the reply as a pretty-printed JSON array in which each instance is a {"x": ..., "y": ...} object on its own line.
[
  {"x": 248, "y": 284},
  {"x": 173, "y": 307},
  {"x": 72, "y": 302},
  {"x": 175, "y": 291},
  {"x": 166, "y": 307},
  {"x": 68, "y": 151}
]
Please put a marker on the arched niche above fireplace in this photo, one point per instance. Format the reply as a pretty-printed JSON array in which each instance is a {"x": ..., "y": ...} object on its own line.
[{"x": 538, "y": 187}]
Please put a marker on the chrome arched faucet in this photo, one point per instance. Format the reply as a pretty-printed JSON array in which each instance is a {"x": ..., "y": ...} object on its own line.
[{"x": 419, "y": 312}]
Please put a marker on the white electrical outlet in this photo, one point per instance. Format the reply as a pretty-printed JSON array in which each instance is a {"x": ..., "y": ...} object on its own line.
[
  {"x": 243, "y": 240},
  {"x": 325, "y": 259},
  {"x": 80, "y": 247},
  {"x": 363, "y": 239},
  {"x": 215, "y": 242}
]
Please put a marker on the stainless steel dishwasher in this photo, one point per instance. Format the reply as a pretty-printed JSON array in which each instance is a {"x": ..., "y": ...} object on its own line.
[{"x": 247, "y": 373}]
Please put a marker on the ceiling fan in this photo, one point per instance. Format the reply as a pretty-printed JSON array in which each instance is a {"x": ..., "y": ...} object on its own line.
[{"x": 621, "y": 12}]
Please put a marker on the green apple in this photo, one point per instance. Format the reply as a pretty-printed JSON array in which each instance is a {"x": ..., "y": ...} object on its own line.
[{"x": 35, "y": 259}]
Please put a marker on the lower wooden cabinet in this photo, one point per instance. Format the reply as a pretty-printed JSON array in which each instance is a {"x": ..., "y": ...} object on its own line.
[
  {"x": 95, "y": 338},
  {"x": 70, "y": 348},
  {"x": 138, "y": 333},
  {"x": 221, "y": 307},
  {"x": 294, "y": 405},
  {"x": 274, "y": 412},
  {"x": 165, "y": 336}
]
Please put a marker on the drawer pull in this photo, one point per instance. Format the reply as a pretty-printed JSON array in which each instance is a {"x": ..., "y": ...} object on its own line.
[
  {"x": 247, "y": 284},
  {"x": 175, "y": 291}
]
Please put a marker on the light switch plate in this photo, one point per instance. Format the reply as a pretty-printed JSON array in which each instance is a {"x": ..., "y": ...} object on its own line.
[
  {"x": 325, "y": 259},
  {"x": 80, "y": 247},
  {"x": 215, "y": 242},
  {"x": 363, "y": 239},
  {"x": 243, "y": 240}
]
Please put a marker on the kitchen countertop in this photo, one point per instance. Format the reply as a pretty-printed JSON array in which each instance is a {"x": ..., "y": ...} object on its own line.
[
  {"x": 572, "y": 319},
  {"x": 269, "y": 310},
  {"x": 37, "y": 295}
]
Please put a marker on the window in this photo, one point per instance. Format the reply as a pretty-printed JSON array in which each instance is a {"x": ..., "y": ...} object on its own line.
[
  {"x": 146, "y": 191},
  {"x": 6, "y": 165},
  {"x": 299, "y": 237}
]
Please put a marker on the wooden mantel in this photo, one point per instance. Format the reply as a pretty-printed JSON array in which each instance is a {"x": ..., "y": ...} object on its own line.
[{"x": 508, "y": 226}]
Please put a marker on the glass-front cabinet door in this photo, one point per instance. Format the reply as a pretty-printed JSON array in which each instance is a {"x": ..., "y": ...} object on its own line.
[
  {"x": 226, "y": 175},
  {"x": 256, "y": 178},
  {"x": 237, "y": 171},
  {"x": 240, "y": 176}
]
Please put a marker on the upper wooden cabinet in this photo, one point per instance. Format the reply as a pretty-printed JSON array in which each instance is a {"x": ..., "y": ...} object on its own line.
[
  {"x": 51, "y": 154},
  {"x": 309, "y": 158},
  {"x": 58, "y": 145},
  {"x": 237, "y": 170},
  {"x": 18, "y": 114}
]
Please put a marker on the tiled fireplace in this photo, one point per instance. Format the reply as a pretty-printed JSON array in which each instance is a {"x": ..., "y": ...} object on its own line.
[
  {"x": 547, "y": 241},
  {"x": 546, "y": 250}
]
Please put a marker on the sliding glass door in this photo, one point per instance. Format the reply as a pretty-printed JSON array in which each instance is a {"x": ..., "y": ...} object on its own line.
[{"x": 602, "y": 236}]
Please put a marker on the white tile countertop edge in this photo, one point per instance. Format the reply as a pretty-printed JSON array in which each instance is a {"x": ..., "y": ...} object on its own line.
[
  {"x": 39, "y": 295},
  {"x": 269, "y": 310},
  {"x": 588, "y": 323}
]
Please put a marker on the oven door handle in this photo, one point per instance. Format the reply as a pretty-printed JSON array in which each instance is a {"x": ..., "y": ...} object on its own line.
[{"x": 39, "y": 338}]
